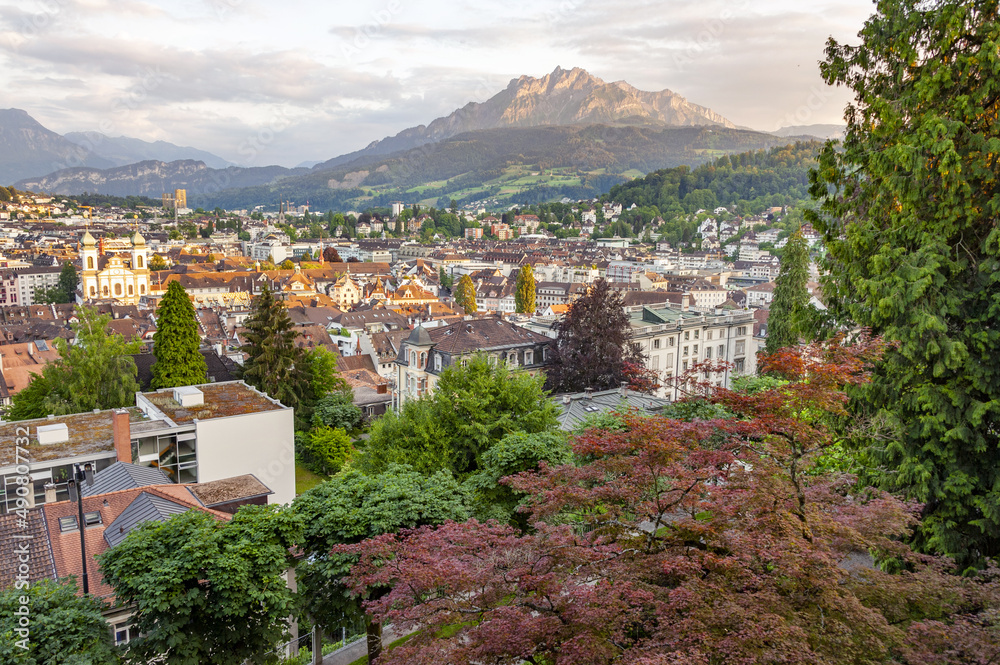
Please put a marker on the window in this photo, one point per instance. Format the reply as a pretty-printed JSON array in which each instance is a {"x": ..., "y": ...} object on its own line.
[
  {"x": 695, "y": 349},
  {"x": 708, "y": 353},
  {"x": 722, "y": 334},
  {"x": 722, "y": 351},
  {"x": 742, "y": 330},
  {"x": 739, "y": 366},
  {"x": 93, "y": 291},
  {"x": 105, "y": 290},
  {"x": 529, "y": 357},
  {"x": 123, "y": 632},
  {"x": 684, "y": 365},
  {"x": 92, "y": 519},
  {"x": 437, "y": 363},
  {"x": 118, "y": 289},
  {"x": 656, "y": 343},
  {"x": 696, "y": 332},
  {"x": 741, "y": 348},
  {"x": 686, "y": 350},
  {"x": 138, "y": 261},
  {"x": 671, "y": 341},
  {"x": 670, "y": 360},
  {"x": 709, "y": 334},
  {"x": 90, "y": 263},
  {"x": 655, "y": 360},
  {"x": 130, "y": 289},
  {"x": 423, "y": 359},
  {"x": 687, "y": 335},
  {"x": 142, "y": 289},
  {"x": 413, "y": 358},
  {"x": 67, "y": 523}
]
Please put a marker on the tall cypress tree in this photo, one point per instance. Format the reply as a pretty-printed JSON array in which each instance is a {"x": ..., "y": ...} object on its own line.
[
  {"x": 789, "y": 318},
  {"x": 911, "y": 217},
  {"x": 275, "y": 365},
  {"x": 524, "y": 293},
  {"x": 465, "y": 295},
  {"x": 176, "y": 342}
]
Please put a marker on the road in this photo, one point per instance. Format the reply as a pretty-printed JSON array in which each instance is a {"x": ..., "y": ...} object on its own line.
[{"x": 352, "y": 652}]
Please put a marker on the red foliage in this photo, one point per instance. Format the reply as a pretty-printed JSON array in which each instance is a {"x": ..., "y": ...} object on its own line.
[{"x": 679, "y": 542}]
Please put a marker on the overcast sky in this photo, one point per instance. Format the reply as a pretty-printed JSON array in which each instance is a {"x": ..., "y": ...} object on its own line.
[{"x": 265, "y": 82}]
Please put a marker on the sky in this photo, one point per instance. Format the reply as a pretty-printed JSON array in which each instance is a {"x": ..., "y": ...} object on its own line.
[{"x": 261, "y": 82}]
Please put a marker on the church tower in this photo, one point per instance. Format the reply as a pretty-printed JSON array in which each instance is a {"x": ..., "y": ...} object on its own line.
[
  {"x": 88, "y": 257},
  {"x": 140, "y": 268}
]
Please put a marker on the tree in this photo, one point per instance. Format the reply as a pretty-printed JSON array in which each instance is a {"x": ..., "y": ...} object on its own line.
[
  {"x": 324, "y": 449},
  {"x": 909, "y": 216},
  {"x": 352, "y": 507},
  {"x": 472, "y": 408},
  {"x": 274, "y": 364},
  {"x": 65, "y": 289},
  {"x": 206, "y": 590},
  {"x": 336, "y": 409},
  {"x": 325, "y": 379},
  {"x": 674, "y": 542},
  {"x": 446, "y": 280},
  {"x": 524, "y": 294},
  {"x": 96, "y": 372},
  {"x": 176, "y": 342},
  {"x": 465, "y": 295},
  {"x": 593, "y": 343},
  {"x": 331, "y": 256},
  {"x": 789, "y": 319},
  {"x": 157, "y": 263},
  {"x": 287, "y": 265},
  {"x": 63, "y": 627}
]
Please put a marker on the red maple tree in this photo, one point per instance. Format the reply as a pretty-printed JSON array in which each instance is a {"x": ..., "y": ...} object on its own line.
[{"x": 691, "y": 543}]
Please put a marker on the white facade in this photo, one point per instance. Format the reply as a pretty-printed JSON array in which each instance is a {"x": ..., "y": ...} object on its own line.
[{"x": 125, "y": 280}]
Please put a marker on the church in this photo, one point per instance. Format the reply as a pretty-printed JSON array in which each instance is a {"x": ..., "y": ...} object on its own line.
[{"x": 119, "y": 278}]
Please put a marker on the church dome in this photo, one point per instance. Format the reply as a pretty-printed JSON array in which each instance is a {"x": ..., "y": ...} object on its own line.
[
  {"x": 88, "y": 240},
  {"x": 138, "y": 240}
]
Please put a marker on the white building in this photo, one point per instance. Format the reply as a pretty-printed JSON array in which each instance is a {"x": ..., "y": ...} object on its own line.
[{"x": 124, "y": 279}]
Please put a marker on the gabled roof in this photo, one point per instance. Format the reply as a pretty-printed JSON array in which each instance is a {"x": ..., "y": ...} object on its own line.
[
  {"x": 144, "y": 508},
  {"x": 124, "y": 476}
]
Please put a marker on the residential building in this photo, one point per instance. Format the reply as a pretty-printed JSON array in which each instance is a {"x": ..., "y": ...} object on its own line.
[{"x": 32, "y": 281}]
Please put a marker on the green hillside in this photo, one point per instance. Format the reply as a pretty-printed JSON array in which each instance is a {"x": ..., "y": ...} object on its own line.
[{"x": 508, "y": 165}]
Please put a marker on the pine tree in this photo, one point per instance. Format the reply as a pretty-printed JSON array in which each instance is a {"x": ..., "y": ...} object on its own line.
[
  {"x": 909, "y": 211},
  {"x": 275, "y": 365},
  {"x": 176, "y": 342},
  {"x": 465, "y": 295},
  {"x": 789, "y": 317},
  {"x": 524, "y": 294}
]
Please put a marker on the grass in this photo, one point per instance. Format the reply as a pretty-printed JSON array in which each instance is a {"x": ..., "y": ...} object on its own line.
[{"x": 305, "y": 479}]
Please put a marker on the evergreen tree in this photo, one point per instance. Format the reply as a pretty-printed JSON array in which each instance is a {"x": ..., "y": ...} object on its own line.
[
  {"x": 68, "y": 281},
  {"x": 594, "y": 349},
  {"x": 465, "y": 295},
  {"x": 275, "y": 365},
  {"x": 524, "y": 294},
  {"x": 910, "y": 217},
  {"x": 176, "y": 342},
  {"x": 789, "y": 318}
]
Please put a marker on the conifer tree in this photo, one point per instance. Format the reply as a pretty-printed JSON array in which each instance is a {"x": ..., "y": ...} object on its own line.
[
  {"x": 465, "y": 295},
  {"x": 524, "y": 294},
  {"x": 910, "y": 216},
  {"x": 176, "y": 342},
  {"x": 275, "y": 365},
  {"x": 789, "y": 318}
]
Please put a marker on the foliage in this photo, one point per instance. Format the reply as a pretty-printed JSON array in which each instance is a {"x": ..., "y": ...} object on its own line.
[
  {"x": 176, "y": 342},
  {"x": 336, "y": 409},
  {"x": 516, "y": 452},
  {"x": 325, "y": 377},
  {"x": 524, "y": 293},
  {"x": 275, "y": 365},
  {"x": 352, "y": 507},
  {"x": 446, "y": 280},
  {"x": 789, "y": 320},
  {"x": 594, "y": 343},
  {"x": 673, "y": 544},
  {"x": 287, "y": 264},
  {"x": 96, "y": 372},
  {"x": 465, "y": 295},
  {"x": 472, "y": 408},
  {"x": 331, "y": 255},
  {"x": 323, "y": 449},
  {"x": 63, "y": 628},
  {"x": 157, "y": 263},
  {"x": 206, "y": 590},
  {"x": 65, "y": 290},
  {"x": 909, "y": 216}
]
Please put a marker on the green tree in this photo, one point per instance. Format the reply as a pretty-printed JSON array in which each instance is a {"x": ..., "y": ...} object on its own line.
[
  {"x": 351, "y": 507},
  {"x": 287, "y": 265},
  {"x": 65, "y": 289},
  {"x": 909, "y": 210},
  {"x": 472, "y": 408},
  {"x": 465, "y": 295},
  {"x": 336, "y": 409},
  {"x": 275, "y": 365},
  {"x": 789, "y": 319},
  {"x": 96, "y": 372},
  {"x": 157, "y": 263},
  {"x": 524, "y": 294},
  {"x": 64, "y": 628},
  {"x": 324, "y": 449},
  {"x": 324, "y": 377},
  {"x": 206, "y": 590},
  {"x": 176, "y": 342}
]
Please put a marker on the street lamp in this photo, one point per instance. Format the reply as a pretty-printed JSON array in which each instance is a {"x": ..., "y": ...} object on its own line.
[{"x": 81, "y": 473}]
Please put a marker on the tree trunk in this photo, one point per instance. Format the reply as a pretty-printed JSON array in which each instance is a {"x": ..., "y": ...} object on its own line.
[{"x": 373, "y": 631}]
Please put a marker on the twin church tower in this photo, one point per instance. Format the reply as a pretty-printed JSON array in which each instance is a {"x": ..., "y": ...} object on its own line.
[{"x": 119, "y": 274}]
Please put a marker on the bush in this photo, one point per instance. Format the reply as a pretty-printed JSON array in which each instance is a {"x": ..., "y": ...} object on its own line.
[{"x": 336, "y": 410}]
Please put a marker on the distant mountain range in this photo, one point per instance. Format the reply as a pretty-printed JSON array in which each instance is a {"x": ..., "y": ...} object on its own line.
[
  {"x": 818, "y": 131},
  {"x": 565, "y": 134},
  {"x": 123, "y": 150}
]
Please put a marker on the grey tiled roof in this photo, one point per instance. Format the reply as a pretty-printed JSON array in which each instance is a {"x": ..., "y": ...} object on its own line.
[
  {"x": 577, "y": 407},
  {"x": 123, "y": 476},
  {"x": 145, "y": 508}
]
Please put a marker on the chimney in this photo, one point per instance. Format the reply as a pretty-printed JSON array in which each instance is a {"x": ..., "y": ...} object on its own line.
[
  {"x": 685, "y": 301},
  {"x": 122, "y": 435},
  {"x": 588, "y": 393},
  {"x": 623, "y": 390},
  {"x": 382, "y": 388}
]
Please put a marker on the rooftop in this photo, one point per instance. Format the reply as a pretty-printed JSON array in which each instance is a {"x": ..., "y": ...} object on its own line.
[
  {"x": 232, "y": 398},
  {"x": 89, "y": 433}
]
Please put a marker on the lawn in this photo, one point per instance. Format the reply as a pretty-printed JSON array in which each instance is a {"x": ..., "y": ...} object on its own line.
[{"x": 305, "y": 479}]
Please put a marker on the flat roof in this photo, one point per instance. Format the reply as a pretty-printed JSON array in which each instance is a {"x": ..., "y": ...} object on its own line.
[
  {"x": 89, "y": 433},
  {"x": 231, "y": 398}
]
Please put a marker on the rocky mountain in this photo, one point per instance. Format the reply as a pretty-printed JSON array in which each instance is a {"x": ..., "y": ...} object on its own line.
[
  {"x": 28, "y": 149},
  {"x": 563, "y": 97},
  {"x": 153, "y": 178},
  {"x": 122, "y": 150}
]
